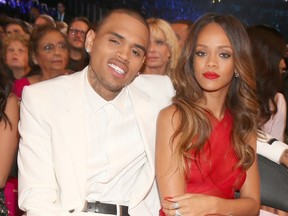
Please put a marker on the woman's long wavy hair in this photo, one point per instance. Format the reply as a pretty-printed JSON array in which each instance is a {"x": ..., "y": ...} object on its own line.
[
  {"x": 5, "y": 90},
  {"x": 195, "y": 128},
  {"x": 268, "y": 48}
]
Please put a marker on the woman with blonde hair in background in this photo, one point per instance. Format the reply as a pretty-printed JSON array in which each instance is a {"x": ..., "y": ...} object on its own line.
[
  {"x": 163, "y": 51},
  {"x": 49, "y": 53}
]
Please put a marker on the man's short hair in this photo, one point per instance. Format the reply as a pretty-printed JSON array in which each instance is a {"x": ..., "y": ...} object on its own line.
[{"x": 129, "y": 12}]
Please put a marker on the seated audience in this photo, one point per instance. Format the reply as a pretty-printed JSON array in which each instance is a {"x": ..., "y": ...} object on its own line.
[
  {"x": 163, "y": 51},
  {"x": 18, "y": 26},
  {"x": 181, "y": 29},
  {"x": 62, "y": 26},
  {"x": 34, "y": 12},
  {"x": 50, "y": 53},
  {"x": 76, "y": 34},
  {"x": 3, "y": 22},
  {"x": 284, "y": 86},
  {"x": 206, "y": 140},
  {"x": 16, "y": 55},
  {"x": 62, "y": 15},
  {"x": 44, "y": 20},
  {"x": 268, "y": 48}
]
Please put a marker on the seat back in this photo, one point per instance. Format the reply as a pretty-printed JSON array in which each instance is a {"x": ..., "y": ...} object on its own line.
[{"x": 273, "y": 184}]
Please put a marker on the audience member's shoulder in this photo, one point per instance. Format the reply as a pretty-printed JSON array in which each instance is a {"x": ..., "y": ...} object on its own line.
[
  {"x": 154, "y": 85},
  {"x": 169, "y": 111},
  {"x": 280, "y": 96},
  {"x": 151, "y": 79}
]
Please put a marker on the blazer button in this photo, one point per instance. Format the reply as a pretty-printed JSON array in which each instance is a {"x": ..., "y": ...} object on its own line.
[{"x": 71, "y": 211}]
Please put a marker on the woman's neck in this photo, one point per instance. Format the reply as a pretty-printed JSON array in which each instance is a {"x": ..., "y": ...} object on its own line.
[
  {"x": 45, "y": 75},
  {"x": 155, "y": 70},
  {"x": 216, "y": 104}
]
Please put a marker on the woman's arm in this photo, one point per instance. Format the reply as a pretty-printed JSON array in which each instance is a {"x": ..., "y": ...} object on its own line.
[
  {"x": 276, "y": 125},
  {"x": 8, "y": 138},
  {"x": 171, "y": 181},
  {"x": 249, "y": 201}
]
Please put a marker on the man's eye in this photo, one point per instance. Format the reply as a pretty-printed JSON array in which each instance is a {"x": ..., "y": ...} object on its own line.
[
  {"x": 136, "y": 53},
  {"x": 10, "y": 50},
  {"x": 114, "y": 41}
]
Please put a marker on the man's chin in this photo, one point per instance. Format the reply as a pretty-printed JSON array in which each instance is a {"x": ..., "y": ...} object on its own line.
[{"x": 78, "y": 48}]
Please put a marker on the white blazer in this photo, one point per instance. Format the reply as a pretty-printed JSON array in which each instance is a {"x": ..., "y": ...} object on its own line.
[{"x": 52, "y": 155}]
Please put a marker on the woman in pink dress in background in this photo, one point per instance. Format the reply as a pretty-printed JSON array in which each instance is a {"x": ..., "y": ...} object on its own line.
[
  {"x": 50, "y": 54},
  {"x": 206, "y": 140}
]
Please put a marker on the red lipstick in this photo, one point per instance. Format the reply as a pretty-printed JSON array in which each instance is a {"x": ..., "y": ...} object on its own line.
[{"x": 210, "y": 75}]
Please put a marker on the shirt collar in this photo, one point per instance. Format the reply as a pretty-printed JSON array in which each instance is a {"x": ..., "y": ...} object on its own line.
[{"x": 97, "y": 102}]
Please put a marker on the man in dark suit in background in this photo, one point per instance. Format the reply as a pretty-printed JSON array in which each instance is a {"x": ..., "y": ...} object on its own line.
[{"x": 62, "y": 14}]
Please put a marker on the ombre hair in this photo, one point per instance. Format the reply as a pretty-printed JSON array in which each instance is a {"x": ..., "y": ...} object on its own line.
[
  {"x": 5, "y": 91},
  {"x": 156, "y": 25},
  {"x": 195, "y": 128}
]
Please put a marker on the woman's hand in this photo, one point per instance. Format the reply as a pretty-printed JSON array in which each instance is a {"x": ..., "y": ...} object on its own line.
[{"x": 188, "y": 205}]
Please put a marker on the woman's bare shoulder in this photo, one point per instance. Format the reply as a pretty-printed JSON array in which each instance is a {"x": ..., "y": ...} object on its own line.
[{"x": 169, "y": 114}]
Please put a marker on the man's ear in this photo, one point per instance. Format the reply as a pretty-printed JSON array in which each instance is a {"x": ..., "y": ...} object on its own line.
[
  {"x": 144, "y": 58},
  {"x": 89, "y": 40}
]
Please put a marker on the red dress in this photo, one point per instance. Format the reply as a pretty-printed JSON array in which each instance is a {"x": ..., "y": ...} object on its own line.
[
  {"x": 215, "y": 173},
  {"x": 19, "y": 85}
]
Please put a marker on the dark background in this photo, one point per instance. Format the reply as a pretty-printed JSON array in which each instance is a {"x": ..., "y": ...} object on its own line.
[{"x": 269, "y": 12}]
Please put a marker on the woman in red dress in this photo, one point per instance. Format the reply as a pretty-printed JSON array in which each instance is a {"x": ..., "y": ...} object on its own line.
[{"x": 206, "y": 140}]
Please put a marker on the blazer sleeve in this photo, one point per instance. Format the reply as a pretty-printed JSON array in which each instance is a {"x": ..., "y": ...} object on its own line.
[{"x": 37, "y": 183}]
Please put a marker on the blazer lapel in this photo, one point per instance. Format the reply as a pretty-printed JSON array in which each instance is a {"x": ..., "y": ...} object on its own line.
[
  {"x": 73, "y": 137},
  {"x": 145, "y": 115}
]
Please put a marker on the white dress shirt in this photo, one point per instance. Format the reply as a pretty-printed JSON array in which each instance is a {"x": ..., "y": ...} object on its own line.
[
  {"x": 61, "y": 17},
  {"x": 116, "y": 154}
]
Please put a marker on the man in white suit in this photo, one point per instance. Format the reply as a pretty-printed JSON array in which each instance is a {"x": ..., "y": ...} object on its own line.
[{"x": 87, "y": 139}]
